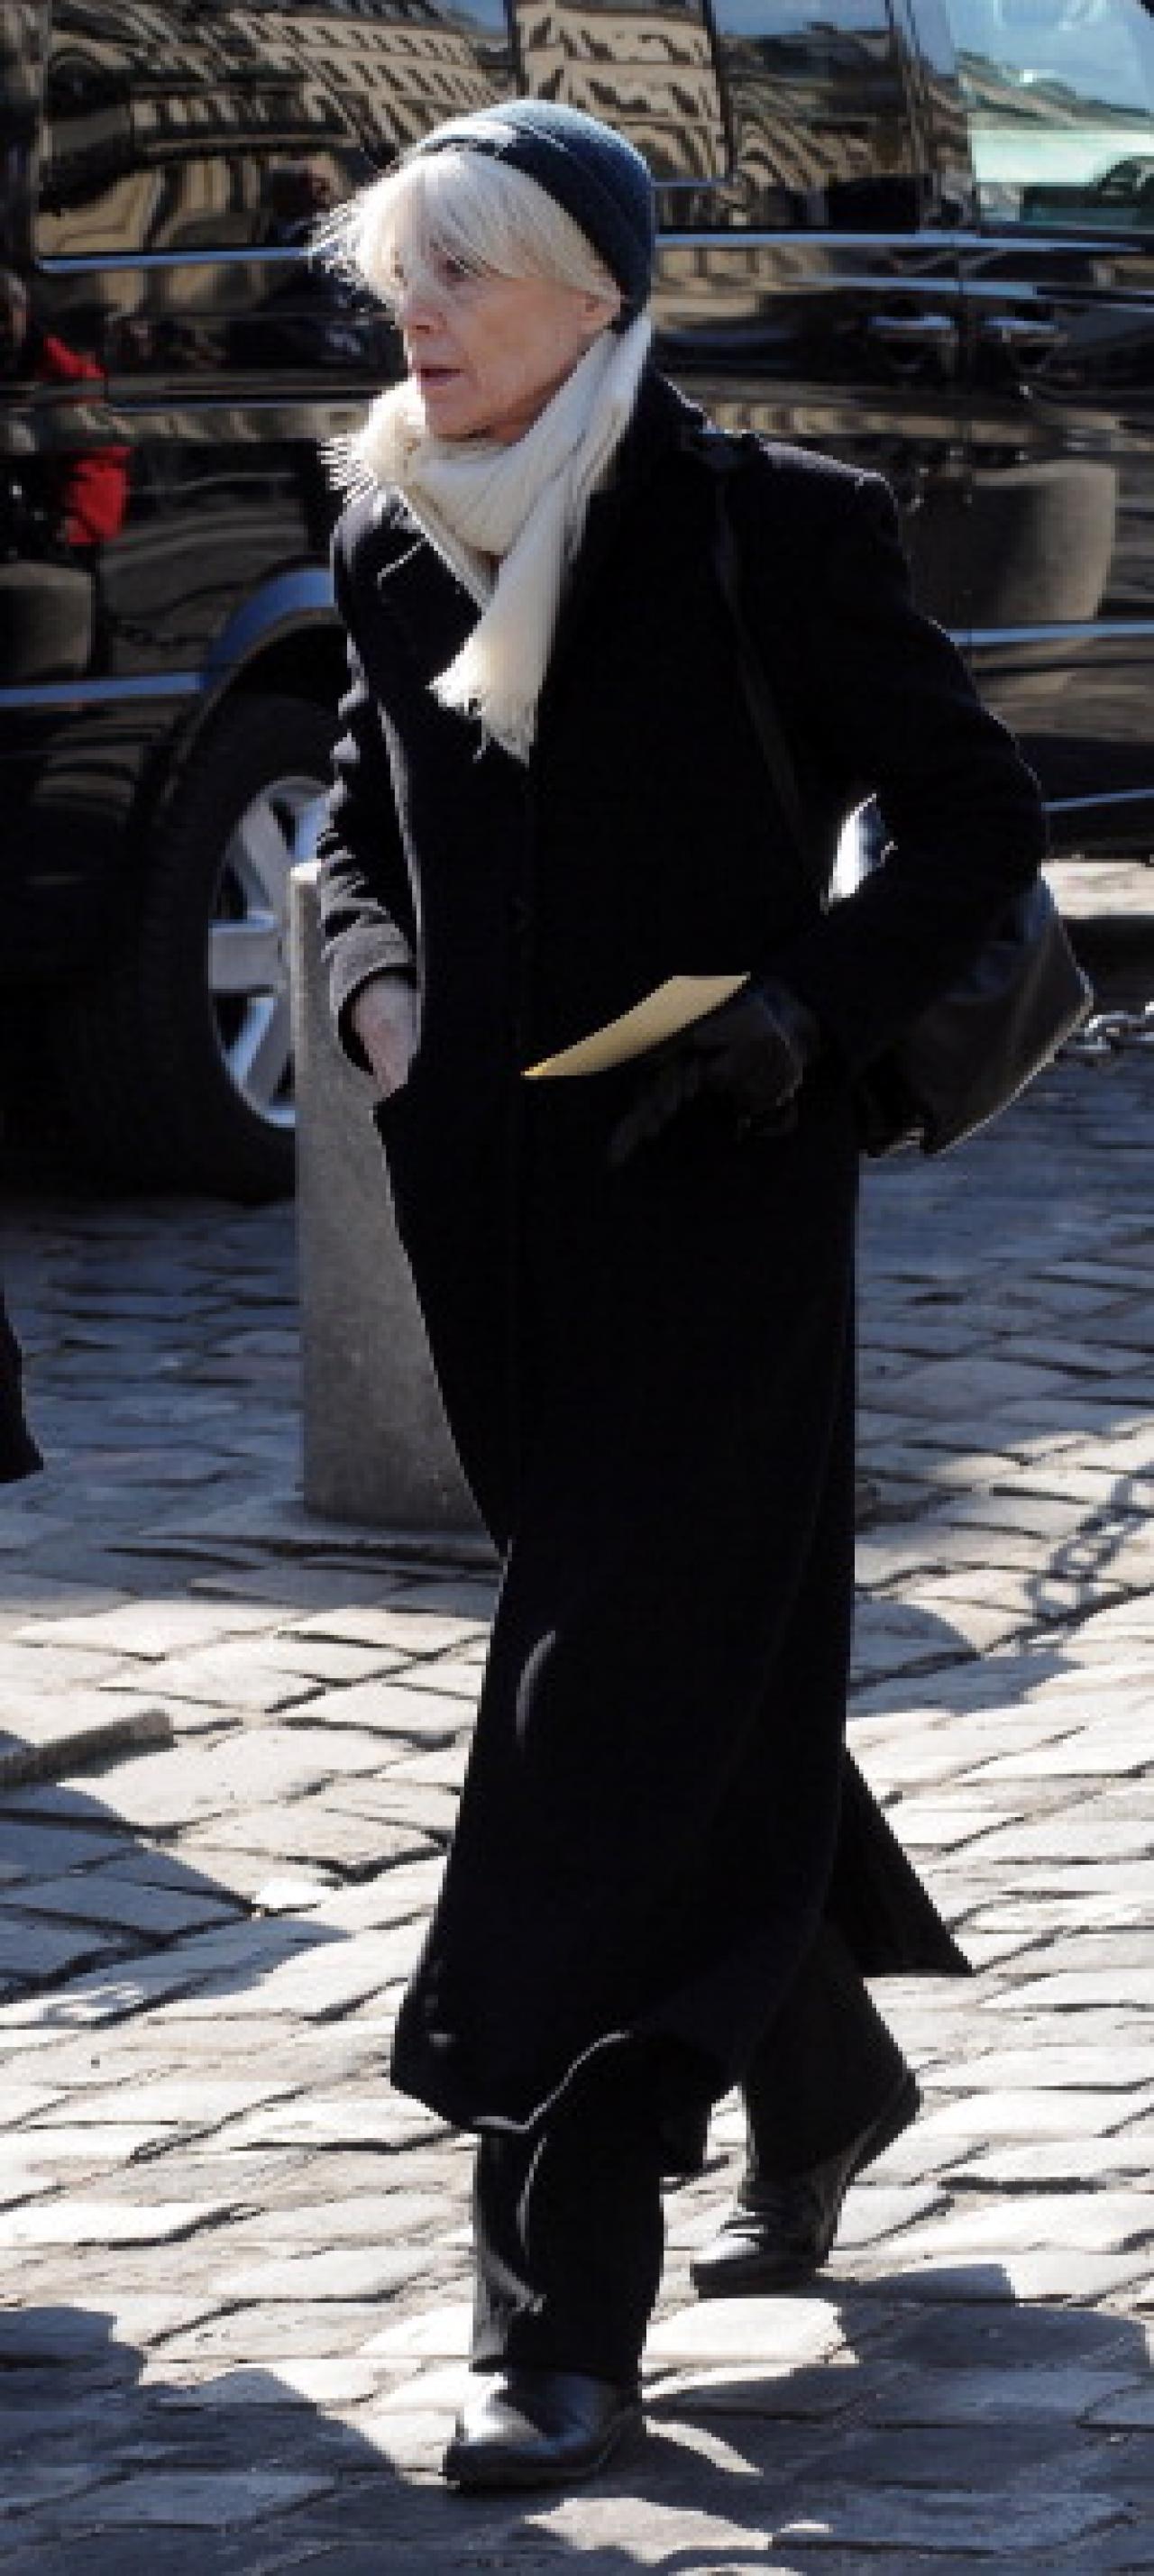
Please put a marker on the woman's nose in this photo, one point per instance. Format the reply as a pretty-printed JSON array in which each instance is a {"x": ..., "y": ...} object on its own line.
[{"x": 416, "y": 309}]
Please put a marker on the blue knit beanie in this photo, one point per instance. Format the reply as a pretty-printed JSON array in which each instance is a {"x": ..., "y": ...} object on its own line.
[{"x": 600, "y": 179}]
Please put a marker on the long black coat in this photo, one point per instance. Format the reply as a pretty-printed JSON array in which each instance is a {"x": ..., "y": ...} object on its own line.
[{"x": 649, "y": 1370}]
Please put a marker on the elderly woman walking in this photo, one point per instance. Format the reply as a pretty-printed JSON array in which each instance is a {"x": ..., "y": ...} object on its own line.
[{"x": 667, "y": 1875}]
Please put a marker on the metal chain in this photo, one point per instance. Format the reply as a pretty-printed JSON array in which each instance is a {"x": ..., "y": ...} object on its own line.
[{"x": 1110, "y": 1034}]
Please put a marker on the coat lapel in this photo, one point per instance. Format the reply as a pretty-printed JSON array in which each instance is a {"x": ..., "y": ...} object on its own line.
[
  {"x": 660, "y": 414},
  {"x": 432, "y": 610}
]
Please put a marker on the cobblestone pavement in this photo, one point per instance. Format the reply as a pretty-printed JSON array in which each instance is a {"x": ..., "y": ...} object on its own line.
[{"x": 235, "y": 2266}]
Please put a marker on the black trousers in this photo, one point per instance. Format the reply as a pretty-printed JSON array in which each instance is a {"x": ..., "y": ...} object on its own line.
[{"x": 568, "y": 2224}]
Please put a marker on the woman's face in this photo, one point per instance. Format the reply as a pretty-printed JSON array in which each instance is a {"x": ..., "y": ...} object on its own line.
[{"x": 487, "y": 353}]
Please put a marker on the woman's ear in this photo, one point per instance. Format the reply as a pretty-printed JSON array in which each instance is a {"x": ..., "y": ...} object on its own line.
[{"x": 597, "y": 313}]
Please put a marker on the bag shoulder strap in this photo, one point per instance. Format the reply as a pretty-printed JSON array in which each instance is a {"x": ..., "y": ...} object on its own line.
[{"x": 723, "y": 455}]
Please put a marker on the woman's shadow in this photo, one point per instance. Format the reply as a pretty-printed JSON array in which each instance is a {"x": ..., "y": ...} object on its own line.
[
  {"x": 952, "y": 2416},
  {"x": 956, "y": 2422}
]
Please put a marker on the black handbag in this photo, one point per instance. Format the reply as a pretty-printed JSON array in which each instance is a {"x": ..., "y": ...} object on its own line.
[{"x": 971, "y": 1052}]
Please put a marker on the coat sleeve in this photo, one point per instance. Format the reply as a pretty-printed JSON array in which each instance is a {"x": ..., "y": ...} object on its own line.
[
  {"x": 367, "y": 914},
  {"x": 964, "y": 819}
]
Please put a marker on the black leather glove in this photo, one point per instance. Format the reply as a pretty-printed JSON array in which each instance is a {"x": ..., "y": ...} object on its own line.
[{"x": 752, "y": 1051}]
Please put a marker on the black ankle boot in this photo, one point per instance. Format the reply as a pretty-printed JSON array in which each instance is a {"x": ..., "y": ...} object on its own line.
[
  {"x": 779, "y": 2233},
  {"x": 529, "y": 2427}
]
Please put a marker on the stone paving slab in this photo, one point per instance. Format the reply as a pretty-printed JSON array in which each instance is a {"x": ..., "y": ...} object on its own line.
[
  {"x": 210, "y": 2499},
  {"x": 234, "y": 2276},
  {"x": 93, "y": 1896},
  {"x": 67, "y": 1733},
  {"x": 44, "y": 1952}
]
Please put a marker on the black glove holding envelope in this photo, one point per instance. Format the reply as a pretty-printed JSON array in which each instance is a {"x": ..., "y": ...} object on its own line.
[{"x": 753, "y": 1052}]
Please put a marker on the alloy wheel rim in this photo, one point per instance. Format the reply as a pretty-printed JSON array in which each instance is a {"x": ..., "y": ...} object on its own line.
[{"x": 248, "y": 935}]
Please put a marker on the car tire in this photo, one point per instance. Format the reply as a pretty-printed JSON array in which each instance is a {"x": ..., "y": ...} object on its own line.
[{"x": 175, "y": 1058}]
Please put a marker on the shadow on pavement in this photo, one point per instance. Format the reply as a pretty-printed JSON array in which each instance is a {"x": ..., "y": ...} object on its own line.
[
  {"x": 956, "y": 2419},
  {"x": 959, "y": 2422},
  {"x": 1088, "y": 1552},
  {"x": 99, "y": 1919}
]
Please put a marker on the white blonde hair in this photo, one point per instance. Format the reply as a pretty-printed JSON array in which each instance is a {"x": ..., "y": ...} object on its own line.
[{"x": 462, "y": 206}]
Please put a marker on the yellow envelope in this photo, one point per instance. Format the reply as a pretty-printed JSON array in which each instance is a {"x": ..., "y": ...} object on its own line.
[{"x": 671, "y": 1007}]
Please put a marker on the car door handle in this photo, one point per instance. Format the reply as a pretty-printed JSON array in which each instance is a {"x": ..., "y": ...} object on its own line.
[
  {"x": 914, "y": 330},
  {"x": 1028, "y": 332}
]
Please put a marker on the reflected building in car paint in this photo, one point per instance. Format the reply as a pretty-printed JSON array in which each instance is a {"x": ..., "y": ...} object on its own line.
[
  {"x": 649, "y": 69},
  {"x": 180, "y": 158}
]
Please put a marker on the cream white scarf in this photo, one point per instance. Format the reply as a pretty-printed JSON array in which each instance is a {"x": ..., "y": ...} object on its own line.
[{"x": 506, "y": 519}]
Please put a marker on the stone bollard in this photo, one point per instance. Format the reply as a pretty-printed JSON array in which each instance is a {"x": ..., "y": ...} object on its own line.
[{"x": 376, "y": 1445}]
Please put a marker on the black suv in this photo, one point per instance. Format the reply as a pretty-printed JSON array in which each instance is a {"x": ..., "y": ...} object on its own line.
[{"x": 917, "y": 233}]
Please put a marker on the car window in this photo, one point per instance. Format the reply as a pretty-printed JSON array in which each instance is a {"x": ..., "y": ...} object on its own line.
[
  {"x": 1059, "y": 98},
  {"x": 822, "y": 134},
  {"x": 649, "y": 70},
  {"x": 186, "y": 126}
]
